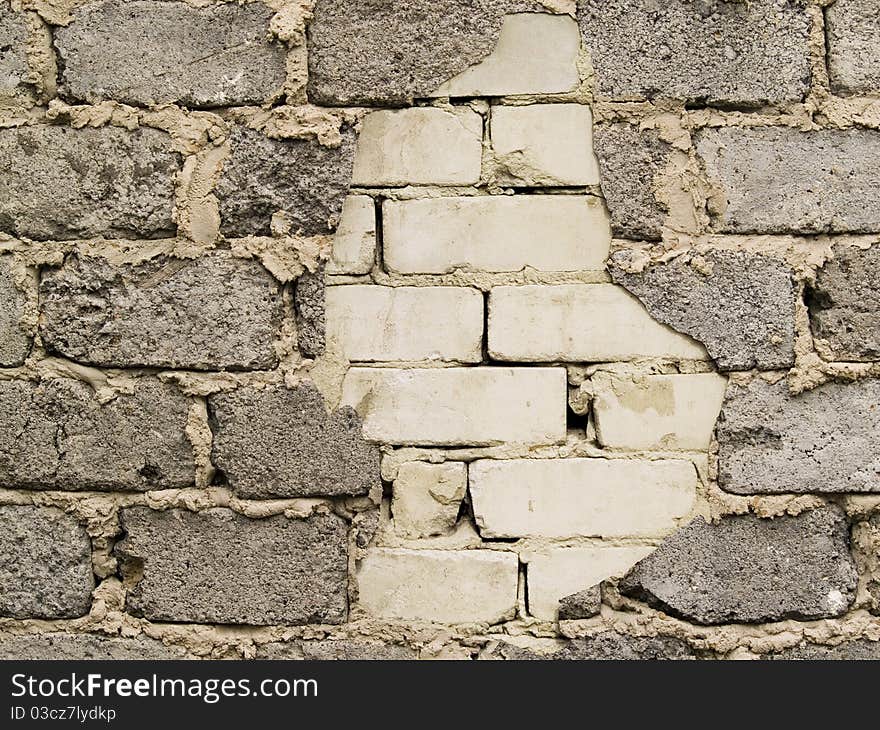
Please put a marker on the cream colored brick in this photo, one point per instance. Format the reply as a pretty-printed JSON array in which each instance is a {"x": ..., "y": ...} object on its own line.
[
  {"x": 558, "y": 573},
  {"x": 459, "y": 406},
  {"x": 580, "y": 497},
  {"x": 535, "y": 54},
  {"x": 426, "y": 498},
  {"x": 382, "y": 323},
  {"x": 419, "y": 146},
  {"x": 578, "y": 323},
  {"x": 354, "y": 245},
  {"x": 445, "y": 586},
  {"x": 545, "y": 144},
  {"x": 496, "y": 233},
  {"x": 657, "y": 411}
]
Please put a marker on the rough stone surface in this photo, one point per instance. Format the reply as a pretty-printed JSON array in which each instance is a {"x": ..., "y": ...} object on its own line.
[
  {"x": 78, "y": 647},
  {"x": 630, "y": 161},
  {"x": 750, "y": 570},
  {"x": 822, "y": 440},
  {"x": 781, "y": 180},
  {"x": 304, "y": 179},
  {"x": 426, "y": 498},
  {"x": 856, "y": 650},
  {"x": 201, "y": 57},
  {"x": 607, "y": 645},
  {"x": 13, "y": 55},
  {"x": 14, "y": 341},
  {"x": 45, "y": 564},
  {"x": 281, "y": 442},
  {"x": 212, "y": 313},
  {"x": 740, "y": 305},
  {"x": 62, "y": 183},
  {"x": 853, "y": 46},
  {"x": 335, "y": 649},
  {"x": 56, "y": 435},
  {"x": 583, "y": 604},
  {"x": 712, "y": 51},
  {"x": 310, "y": 313},
  {"x": 369, "y": 52},
  {"x": 218, "y": 566},
  {"x": 845, "y": 305}
]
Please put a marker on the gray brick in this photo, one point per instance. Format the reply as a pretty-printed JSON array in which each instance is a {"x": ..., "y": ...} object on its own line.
[
  {"x": 201, "y": 57},
  {"x": 56, "y": 435},
  {"x": 853, "y": 35},
  {"x": 213, "y": 313},
  {"x": 822, "y": 440},
  {"x": 845, "y": 304},
  {"x": 281, "y": 442},
  {"x": 335, "y": 649},
  {"x": 607, "y": 645},
  {"x": 583, "y": 604},
  {"x": 782, "y": 180},
  {"x": 217, "y": 566},
  {"x": 311, "y": 324},
  {"x": 14, "y": 341},
  {"x": 750, "y": 570},
  {"x": 45, "y": 564},
  {"x": 301, "y": 177},
  {"x": 710, "y": 51},
  {"x": 13, "y": 52},
  {"x": 742, "y": 311},
  {"x": 856, "y": 650},
  {"x": 62, "y": 183},
  {"x": 78, "y": 647}
]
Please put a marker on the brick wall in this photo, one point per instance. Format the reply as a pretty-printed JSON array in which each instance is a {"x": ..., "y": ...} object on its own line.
[{"x": 555, "y": 336}]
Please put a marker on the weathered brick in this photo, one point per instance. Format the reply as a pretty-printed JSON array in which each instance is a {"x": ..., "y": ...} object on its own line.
[
  {"x": 496, "y": 233},
  {"x": 419, "y": 146},
  {"x": 781, "y": 180},
  {"x": 212, "y": 313},
  {"x": 740, "y": 305},
  {"x": 62, "y": 183},
  {"x": 309, "y": 301},
  {"x": 845, "y": 304},
  {"x": 708, "y": 52},
  {"x": 822, "y": 440},
  {"x": 580, "y": 497},
  {"x": 202, "y": 57},
  {"x": 45, "y": 564},
  {"x": 853, "y": 46},
  {"x": 750, "y": 570},
  {"x": 426, "y": 498},
  {"x": 446, "y": 586},
  {"x": 14, "y": 37},
  {"x": 606, "y": 645},
  {"x": 300, "y": 177},
  {"x": 281, "y": 442},
  {"x": 79, "y": 647},
  {"x": 854, "y": 650},
  {"x": 449, "y": 406},
  {"x": 335, "y": 650},
  {"x": 57, "y": 435},
  {"x": 15, "y": 344},
  {"x": 217, "y": 566},
  {"x": 381, "y": 323},
  {"x": 578, "y": 323},
  {"x": 354, "y": 245}
]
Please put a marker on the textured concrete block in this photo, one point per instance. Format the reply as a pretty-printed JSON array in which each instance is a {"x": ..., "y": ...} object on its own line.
[
  {"x": 583, "y": 604},
  {"x": 62, "y": 183},
  {"x": 211, "y": 56},
  {"x": 855, "y": 650},
  {"x": 452, "y": 406},
  {"x": 281, "y": 442},
  {"x": 822, "y": 440},
  {"x": 446, "y": 586},
  {"x": 750, "y": 570},
  {"x": 217, "y": 566},
  {"x": 781, "y": 180},
  {"x": 426, "y": 498},
  {"x": 14, "y": 36},
  {"x": 496, "y": 233},
  {"x": 56, "y": 435},
  {"x": 45, "y": 564},
  {"x": 300, "y": 177},
  {"x": 309, "y": 303},
  {"x": 354, "y": 245},
  {"x": 607, "y": 645},
  {"x": 707, "y": 52},
  {"x": 580, "y": 497},
  {"x": 85, "y": 647},
  {"x": 740, "y": 305},
  {"x": 212, "y": 313},
  {"x": 853, "y": 37},
  {"x": 15, "y": 344},
  {"x": 335, "y": 650}
]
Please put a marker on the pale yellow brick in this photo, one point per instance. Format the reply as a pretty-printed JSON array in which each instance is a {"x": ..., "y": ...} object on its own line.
[
  {"x": 354, "y": 245},
  {"x": 426, "y": 498}
]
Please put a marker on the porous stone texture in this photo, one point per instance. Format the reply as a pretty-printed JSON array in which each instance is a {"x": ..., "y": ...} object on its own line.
[
  {"x": 201, "y": 57},
  {"x": 583, "y": 604},
  {"x": 335, "y": 649},
  {"x": 45, "y": 564},
  {"x": 740, "y": 305},
  {"x": 281, "y": 442},
  {"x": 212, "y": 313},
  {"x": 426, "y": 498},
  {"x": 354, "y": 245},
  {"x": 14, "y": 72},
  {"x": 302, "y": 178},
  {"x": 218, "y": 566},
  {"x": 55, "y": 434},
  {"x": 853, "y": 46},
  {"x": 856, "y": 650},
  {"x": 607, "y": 645},
  {"x": 310, "y": 313},
  {"x": 711, "y": 51},
  {"x": 822, "y": 440},
  {"x": 782, "y": 180},
  {"x": 90, "y": 647},
  {"x": 844, "y": 305},
  {"x": 14, "y": 341},
  {"x": 745, "y": 569},
  {"x": 63, "y": 183}
]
